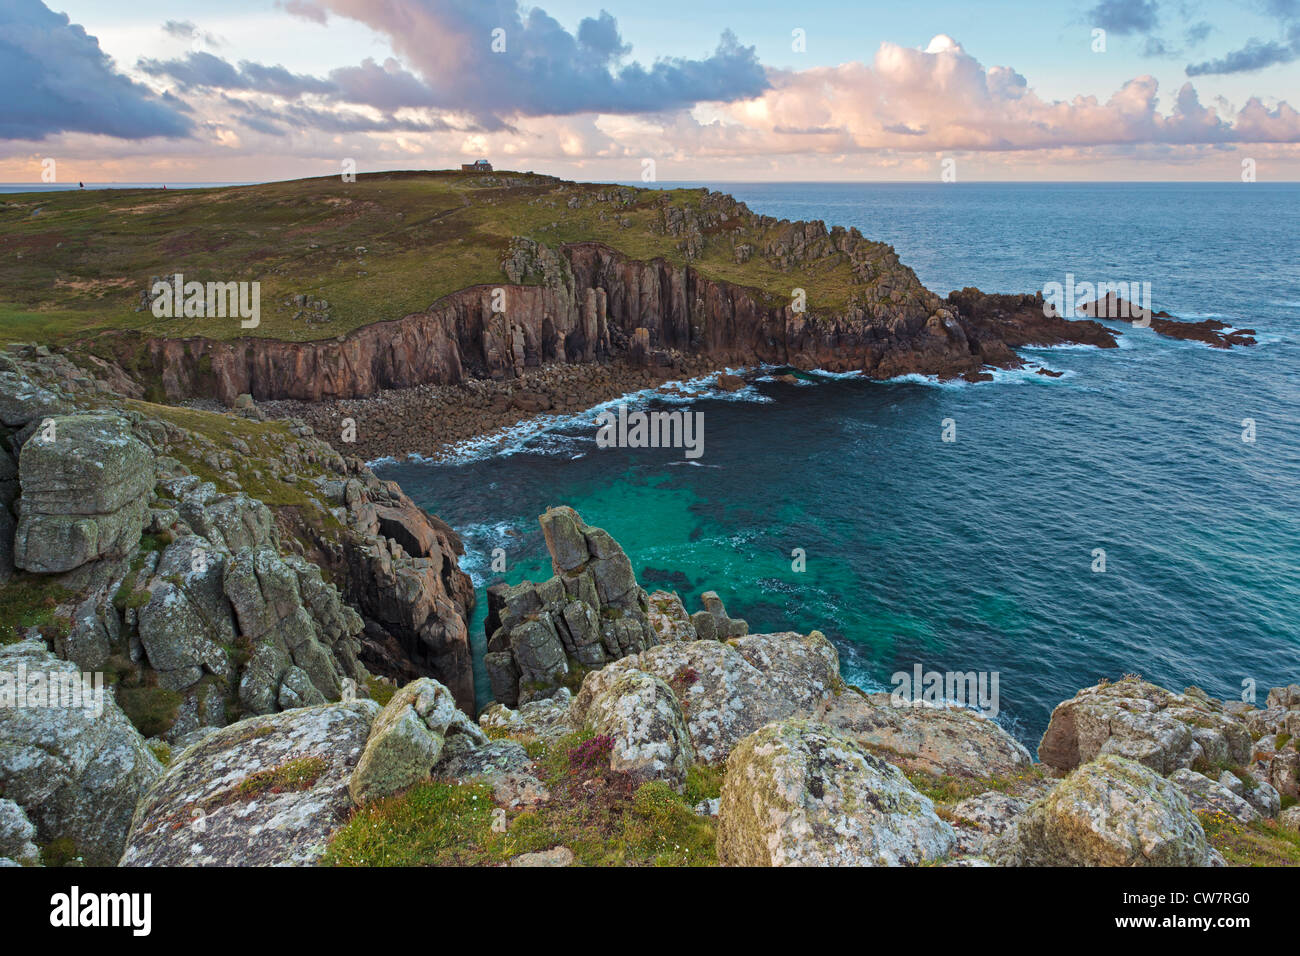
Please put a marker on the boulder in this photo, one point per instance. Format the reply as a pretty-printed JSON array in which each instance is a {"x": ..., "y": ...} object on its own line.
[
  {"x": 267, "y": 791},
  {"x": 643, "y": 718},
  {"x": 17, "y": 835},
  {"x": 668, "y": 617},
  {"x": 726, "y": 695},
  {"x": 407, "y": 738},
  {"x": 546, "y": 719},
  {"x": 1210, "y": 796},
  {"x": 798, "y": 794},
  {"x": 940, "y": 740},
  {"x": 984, "y": 817},
  {"x": 1136, "y": 719},
  {"x": 76, "y": 773},
  {"x": 1111, "y": 811},
  {"x": 85, "y": 493}
]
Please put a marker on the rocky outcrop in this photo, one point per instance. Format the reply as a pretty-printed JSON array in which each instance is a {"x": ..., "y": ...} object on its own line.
[
  {"x": 798, "y": 794},
  {"x": 1211, "y": 796},
  {"x": 1156, "y": 727},
  {"x": 940, "y": 740},
  {"x": 729, "y": 690},
  {"x": 407, "y": 738},
  {"x": 267, "y": 791},
  {"x": 84, "y": 480},
  {"x": 1112, "y": 811},
  {"x": 643, "y": 719},
  {"x": 591, "y": 612},
  {"x": 17, "y": 837},
  {"x": 76, "y": 770}
]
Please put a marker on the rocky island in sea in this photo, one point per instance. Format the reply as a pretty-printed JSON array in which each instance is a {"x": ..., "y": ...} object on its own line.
[{"x": 282, "y": 638}]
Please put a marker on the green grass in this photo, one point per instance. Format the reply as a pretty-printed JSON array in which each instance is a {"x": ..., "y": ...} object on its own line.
[
  {"x": 30, "y": 600},
  {"x": 605, "y": 818},
  {"x": 1262, "y": 843},
  {"x": 75, "y": 263},
  {"x": 151, "y": 709}
]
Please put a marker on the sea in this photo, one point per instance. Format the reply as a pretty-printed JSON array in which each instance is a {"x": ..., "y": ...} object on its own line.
[{"x": 1139, "y": 514}]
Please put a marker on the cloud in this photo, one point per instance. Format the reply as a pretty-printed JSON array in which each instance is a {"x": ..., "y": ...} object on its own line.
[
  {"x": 58, "y": 80},
  {"x": 1255, "y": 55},
  {"x": 942, "y": 98},
  {"x": 1258, "y": 54},
  {"x": 203, "y": 70},
  {"x": 1124, "y": 17},
  {"x": 490, "y": 58}
]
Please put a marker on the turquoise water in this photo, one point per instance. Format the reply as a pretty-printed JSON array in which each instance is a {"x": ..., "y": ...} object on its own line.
[{"x": 979, "y": 554}]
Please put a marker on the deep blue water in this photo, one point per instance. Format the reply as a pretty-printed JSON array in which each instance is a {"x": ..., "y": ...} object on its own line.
[{"x": 977, "y": 555}]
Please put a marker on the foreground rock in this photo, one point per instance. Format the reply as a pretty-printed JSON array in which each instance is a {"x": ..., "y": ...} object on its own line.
[
  {"x": 1136, "y": 719},
  {"x": 267, "y": 791},
  {"x": 797, "y": 794},
  {"x": 643, "y": 718},
  {"x": 17, "y": 836},
  {"x": 85, "y": 481},
  {"x": 939, "y": 740},
  {"x": 727, "y": 691},
  {"x": 407, "y": 738},
  {"x": 1112, "y": 811},
  {"x": 76, "y": 774}
]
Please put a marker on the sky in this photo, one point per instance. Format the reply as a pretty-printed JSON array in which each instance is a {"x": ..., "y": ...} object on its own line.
[{"x": 674, "y": 90}]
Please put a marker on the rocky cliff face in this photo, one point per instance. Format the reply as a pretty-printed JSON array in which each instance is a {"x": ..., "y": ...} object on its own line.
[
  {"x": 585, "y": 301},
  {"x": 214, "y": 566}
]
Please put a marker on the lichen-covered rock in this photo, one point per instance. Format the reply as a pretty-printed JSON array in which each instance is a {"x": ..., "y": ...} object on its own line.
[
  {"x": 503, "y": 765},
  {"x": 291, "y": 618},
  {"x": 17, "y": 835},
  {"x": 407, "y": 738},
  {"x": 591, "y": 612},
  {"x": 76, "y": 773},
  {"x": 639, "y": 712},
  {"x": 267, "y": 791},
  {"x": 1136, "y": 719},
  {"x": 983, "y": 817},
  {"x": 668, "y": 617},
  {"x": 85, "y": 491},
  {"x": 1206, "y": 795},
  {"x": 726, "y": 695},
  {"x": 1111, "y": 811},
  {"x": 798, "y": 794},
  {"x": 945, "y": 739},
  {"x": 546, "y": 719}
]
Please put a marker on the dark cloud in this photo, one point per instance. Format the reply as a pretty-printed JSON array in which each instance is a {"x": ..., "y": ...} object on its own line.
[
  {"x": 58, "y": 80},
  {"x": 1124, "y": 17},
  {"x": 543, "y": 70},
  {"x": 1257, "y": 54},
  {"x": 205, "y": 71}
]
